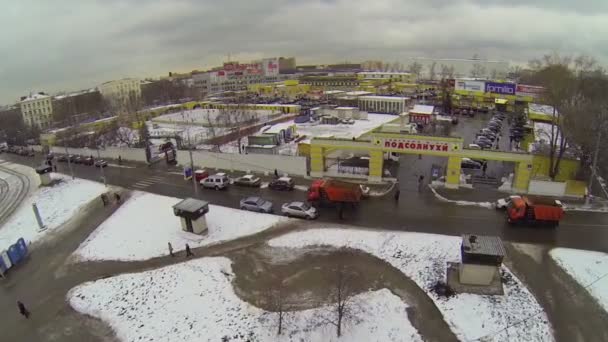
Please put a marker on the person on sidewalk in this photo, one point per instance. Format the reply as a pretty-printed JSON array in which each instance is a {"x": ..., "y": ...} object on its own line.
[
  {"x": 276, "y": 173},
  {"x": 117, "y": 197},
  {"x": 170, "y": 249},
  {"x": 188, "y": 251},
  {"x": 397, "y": 194},
  {"x": 104, "y": 199},
  {"x": 119, "y": 160},
  {"x": 484, "y": 167},
  {"x": 420, "y": 183},
  {"x": 23, "y": 310}
]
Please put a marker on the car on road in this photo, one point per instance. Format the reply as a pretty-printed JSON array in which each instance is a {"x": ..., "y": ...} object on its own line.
[
  {"x": 256, "y": 204},
  {"x": 218, "y": 181},
  {"x": 299, "y": 209},
  {"x": 101, "y": 163},
  {"x": 503, "y": 203},
  {"x": 283, "y": 183},
  {"x": 78, "y": 159},
  {"x": 474, "y": 147},
  {"x": 248, "y": 180},
  {"x": 62, "y": 158},
  {"x": 88, "y": 161},
  {"x": 468, "y": 163},
  {"x": 199, "y": 175}
]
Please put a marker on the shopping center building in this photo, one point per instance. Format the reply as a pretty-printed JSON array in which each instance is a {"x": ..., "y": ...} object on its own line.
[{"x": 476, "y": 94}]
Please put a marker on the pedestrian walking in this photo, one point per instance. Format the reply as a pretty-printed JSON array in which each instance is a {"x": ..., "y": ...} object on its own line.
[
  {"x": 397, "y": 194},
  {"x": 55, "y": 168},
  {"x": 171, "y": 249},
  {"x": 23, "y": 310},
  {"x": 119, "y": 160},
  {"x": 484, "y": 167},
  {"x": 276, "y": 173},
  {"x": 188, "y": 251},
  {"x": 420, "y": 183},
  {"x": 117, "y": 197},
  {"x": 104, "y": 199}
]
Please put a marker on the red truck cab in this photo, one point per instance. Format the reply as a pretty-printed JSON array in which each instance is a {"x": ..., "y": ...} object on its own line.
[
  {"x": 327, "y": 191},
  {"x": 534, "y": 211}
]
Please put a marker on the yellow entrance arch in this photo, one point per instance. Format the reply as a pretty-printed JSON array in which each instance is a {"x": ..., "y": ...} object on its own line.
[{"x": 450, "y": 147}]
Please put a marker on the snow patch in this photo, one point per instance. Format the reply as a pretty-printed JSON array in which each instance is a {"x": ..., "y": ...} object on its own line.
[
  {"x": 141, "y": 228},
  {"x": 56, "y": 205},
  {"x": 487, "y": 205},
  {"x": 423, "y": 258},
  {"x": 589, "y": 269},
  {"x": 195, "y": 301}
]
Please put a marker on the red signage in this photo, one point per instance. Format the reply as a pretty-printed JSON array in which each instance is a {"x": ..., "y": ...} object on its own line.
[
  {"x": 416, "y": 145},
  {"x": 528, "y": 90}
]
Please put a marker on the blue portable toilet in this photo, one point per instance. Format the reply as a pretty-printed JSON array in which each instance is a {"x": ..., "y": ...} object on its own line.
[
  {"x": 14, "y": 254},
  {"x": 22, "y": 247}
]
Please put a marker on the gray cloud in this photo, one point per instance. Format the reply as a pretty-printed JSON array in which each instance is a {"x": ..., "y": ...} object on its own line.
[{"x": 78, "y": 44}]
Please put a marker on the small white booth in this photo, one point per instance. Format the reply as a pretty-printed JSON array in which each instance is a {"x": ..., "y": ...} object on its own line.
[
  {"x": 44, "y": 171},
  {"x": 192, "y": 212}
]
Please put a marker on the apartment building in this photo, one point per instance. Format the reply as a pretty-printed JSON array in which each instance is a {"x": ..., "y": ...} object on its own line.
[
  {"x": 123, "y": 89},
  {"x": 37, "y": 110}
]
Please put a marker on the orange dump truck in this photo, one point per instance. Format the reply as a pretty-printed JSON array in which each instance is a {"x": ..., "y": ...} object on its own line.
[
  {"x": 329, "y": 192},
  {"x": 542, "y": 211}
]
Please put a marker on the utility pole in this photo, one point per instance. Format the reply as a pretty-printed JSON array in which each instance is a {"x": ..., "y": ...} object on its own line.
[
  {"x": 190, "y": 153},
  {"x": 103, "y": 175},
  {"x": 594, "y": 165},
  {"x": 68, "y": 157}
]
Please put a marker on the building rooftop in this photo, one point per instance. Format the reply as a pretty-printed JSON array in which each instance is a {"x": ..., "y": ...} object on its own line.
[
  {"x": 482, "y": 245},
  {"x": 36, "y": 96},
  {"x": 422, "y": 109},
  {"x": 191, "y": 205},
  {"x": 385, "y": 73},
  {"x": 384, "y": 98},
  {"x": 357, "y": 93}
]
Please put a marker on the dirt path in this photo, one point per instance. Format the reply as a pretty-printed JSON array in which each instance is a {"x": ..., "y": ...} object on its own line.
[{"x": 573, "y": 313}]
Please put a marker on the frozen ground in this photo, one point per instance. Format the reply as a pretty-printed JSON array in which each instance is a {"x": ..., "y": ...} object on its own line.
[
  {"x": 589, "y": 269},
  {"x": 56, "y": 204},
  {"x": 423, "y": 257},
  {"x": 145, "y": 223},
  {"x": 195, "y": 301},
  {"x": 204, "y": 116}
]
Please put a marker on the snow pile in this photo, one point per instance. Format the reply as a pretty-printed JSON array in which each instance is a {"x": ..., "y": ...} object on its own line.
[
  {"x": 56, "y": 205},
  {"x": 194, "y": 301},
  {"x": 487, "y": 205},
  {"x": 145, "y": 223},
  {"x": 345, "y": 131},
  {"x": 423, "y": 257},
  {"x": 588, "y": 268}
]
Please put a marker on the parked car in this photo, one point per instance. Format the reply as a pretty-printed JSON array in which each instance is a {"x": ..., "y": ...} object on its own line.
[
  {"x": 468, "y": 163},
  {"x": 88, "y": 161},
  {"x": 248, "y": 180},
  {"x": 283, "y": 183},
  {"x": 78, "y": 159},
  {"x": 101, "y": 163},
  {"x": 300, "y": 209},
  {"x": 62, "y": 158},
  {"x": 474, "y": 147},
  {"x": 484, "y": 138},
  {"x": 256, "y": 204},
  {"x": 483, "y": 144},
  {"x": 218, "y": 181},
  {"x": 199, "y": 175},
  {"x": 72, "y": 158},
  {"x": 503, "y": 203}
]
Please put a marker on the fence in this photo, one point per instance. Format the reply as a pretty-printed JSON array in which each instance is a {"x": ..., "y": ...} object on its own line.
[{"x": 245, "y": 162}]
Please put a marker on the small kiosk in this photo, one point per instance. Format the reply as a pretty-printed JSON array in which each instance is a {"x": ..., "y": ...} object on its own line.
[
  {"x": 481, "y": 259},
  {"x": 192, "y": 212},
  {"x": 44, "y": 171}
]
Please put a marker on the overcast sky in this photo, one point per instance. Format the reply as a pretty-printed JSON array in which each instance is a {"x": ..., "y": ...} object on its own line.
[{"x": 73, "y": 44}]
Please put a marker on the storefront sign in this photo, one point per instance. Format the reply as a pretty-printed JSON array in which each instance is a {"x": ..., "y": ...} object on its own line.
[
  {"x": 528, "y": 90},
  {"x": 417, "y": 145},
  {"x": 470, "y": 85},
  {"x": 500, "y": 88}
]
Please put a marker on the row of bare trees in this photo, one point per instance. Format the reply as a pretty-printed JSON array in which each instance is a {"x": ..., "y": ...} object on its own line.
[{"x": 341, "y": 309}]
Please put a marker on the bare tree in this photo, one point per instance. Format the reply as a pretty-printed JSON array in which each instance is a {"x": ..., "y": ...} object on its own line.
[
  {"x": 415, "y": 68},
  {"x": 276, "y": 301},
  {"x": 341, "y": 296},
  {"x": 432, "y": 72}
]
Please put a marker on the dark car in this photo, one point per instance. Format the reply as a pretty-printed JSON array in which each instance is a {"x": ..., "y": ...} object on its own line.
[
  {"x": 78, "y": 159},
  {"x": 101, "y": 163},
  {"x": 62, "y": 158},
  {"x": 467, "y": 163},
  {"x": 283, "y": 183},
  {"x": 88, "y": 161}
]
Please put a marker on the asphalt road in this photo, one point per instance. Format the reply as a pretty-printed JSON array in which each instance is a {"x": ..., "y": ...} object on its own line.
[{"x": 420, "y": 212}]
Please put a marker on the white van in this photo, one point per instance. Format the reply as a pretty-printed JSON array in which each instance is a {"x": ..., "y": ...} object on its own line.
[{"x": 217, "y": 181}]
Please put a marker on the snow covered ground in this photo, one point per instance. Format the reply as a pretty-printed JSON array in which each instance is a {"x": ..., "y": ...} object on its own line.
[
  {"x": 423, "y": 257},
  {"x": 195, "y": 301},
  {"x": 145, "y": 223},
  {"x": 589, "y": 269},
  {"x": 487, "y": 205},
  {"x": 56, "y": 204},
  {"x": 204, "y": 116}
]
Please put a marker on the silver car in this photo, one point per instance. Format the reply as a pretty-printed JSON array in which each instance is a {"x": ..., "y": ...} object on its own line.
[
  {"x": 256, "y": 204},
  {"x": 299, "y": 209}
]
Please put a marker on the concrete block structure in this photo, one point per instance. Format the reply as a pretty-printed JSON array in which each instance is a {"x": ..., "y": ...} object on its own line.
[
  {"x": 481, "y": 259},
  {"x": 44, "y": 171},
  {"x": 192, "y": 212}
]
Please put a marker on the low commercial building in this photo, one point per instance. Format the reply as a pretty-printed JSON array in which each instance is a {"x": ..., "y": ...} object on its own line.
[
  {"x": 331, "y": 82},
  {"x": 479, "y": 94},
  {"x": 192, "y": 212},
  {"x": 391, "y": 76},
  {"x": 37, "y": 110},
  {"x": 383, "y": 104},
  {"x": 421, "y": 114}
]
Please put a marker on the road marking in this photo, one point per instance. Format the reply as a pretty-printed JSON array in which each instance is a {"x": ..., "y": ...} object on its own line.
[
  {"x": 472, "y": 218},
  {"x": 583, "y": 225},
  {"x": 147, "y": 182}
]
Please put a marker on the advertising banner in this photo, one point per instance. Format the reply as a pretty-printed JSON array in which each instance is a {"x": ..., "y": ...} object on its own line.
[
  {"x": 470, "y": 85},
  {"x": 417, "y": 145},
  {"x": 528, "y": 90},
  {"x": 500, "y": 88}
]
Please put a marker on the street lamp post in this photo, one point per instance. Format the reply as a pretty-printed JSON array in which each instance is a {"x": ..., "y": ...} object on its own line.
[
  {"x": 67, "y": 154},
  {"x": 103, "y": 176},
  {"x": 594, "y": 165}
]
